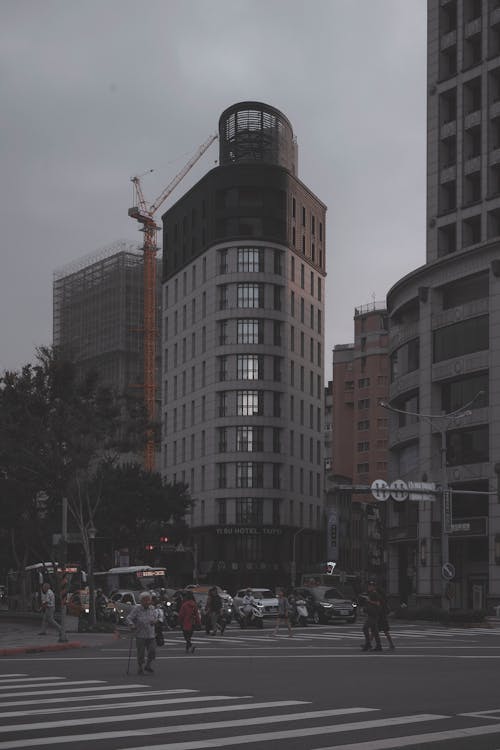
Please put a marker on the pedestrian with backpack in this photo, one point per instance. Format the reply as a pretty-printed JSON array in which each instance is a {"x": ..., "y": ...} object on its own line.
[{"x": 189, "y": 619}]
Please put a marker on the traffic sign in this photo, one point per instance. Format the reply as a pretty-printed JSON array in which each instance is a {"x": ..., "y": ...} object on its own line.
[
  {"x": 420, "y": 491},
  {"x": 380, "y": 490},
  {"x": 448, "y": 571},
  {"x": 399, "y": 490}
]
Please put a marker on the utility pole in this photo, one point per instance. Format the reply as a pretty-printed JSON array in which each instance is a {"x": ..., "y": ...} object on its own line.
[
  {"x": 444, "y": 422},
  {"x": 63, "y": 638},
  {"x": 293, "y": 571}
]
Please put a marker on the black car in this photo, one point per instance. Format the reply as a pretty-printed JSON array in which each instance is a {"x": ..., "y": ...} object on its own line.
[{"x": 327, "y": 604}]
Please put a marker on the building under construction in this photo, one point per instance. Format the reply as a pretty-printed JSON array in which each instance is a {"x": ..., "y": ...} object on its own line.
[{"x": 98, "y": 313}]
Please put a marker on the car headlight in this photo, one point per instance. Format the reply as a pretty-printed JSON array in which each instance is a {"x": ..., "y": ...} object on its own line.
[
  {"x": 169, "y": 604},
  {"x": 354, "y": 604},
  {"x": 326, "y": 605}
]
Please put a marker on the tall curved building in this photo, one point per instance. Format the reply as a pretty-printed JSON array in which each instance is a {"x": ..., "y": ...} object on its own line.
[
  {"x": 243, "y": 354},
  {"x": 444, "y": 326}
]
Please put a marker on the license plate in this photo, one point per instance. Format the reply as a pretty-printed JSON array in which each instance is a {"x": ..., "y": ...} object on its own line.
[{"x": 345, "y": 612}]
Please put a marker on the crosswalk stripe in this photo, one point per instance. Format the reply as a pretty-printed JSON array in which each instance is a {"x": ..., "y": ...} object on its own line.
[
  {"x": 69, "y": 699},
  {"x": 203, "y": 726},
  {"x": 12, "y": 682},
  {"x": 415, "y": 739},
  {"x": 291, "y": 733},
  {"x": 47, "y": 685},
  {"x": 73, "y": 690},
  {"x": 150, "y": 714},
  {"x": 128, "y": 704}
]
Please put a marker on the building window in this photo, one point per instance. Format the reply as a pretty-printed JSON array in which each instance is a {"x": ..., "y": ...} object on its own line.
[
  {"x": 249, "y": 474},
  {"x": 222, "y": 368},
  {"x": 292, "y": 269},
  {"x": 364, "y": 424},
  {"x": 223, "y": 297},
  {"x": 277, "y": 329},
  {"x": 292, "y": 304},
  {"x": 250, "y": 295},
  {"x": 457, "y": 393},
  {"x": 276, "y": 404},
  {"x": 221, "y": 512},
  {"x": 276, "y": 476},
  {"x": 249, "y": 331},
  {"x": 223, "y": 261},
  {"x": 364, "y": 403},
  {"x": 302, "y": 275},
  {"x": 363, "y": 446},
  {"x": 276, "y": 440},
  {"x": 249, "y": 512},
  {"x": 222, "y": 403},
  {"x": 277, "y": 296},
  {"x": 221, "y": 476},
  {"x": 249, "y": 439},
  {"x": 249, "y": 366},
  {"x": 405, "y": 359},
  {"x": 278, "y": 262},
  {"x": 222, "y": 332},
  {"x": 250, "y": 260},
  {"x": 462, "y": 338},
  {"x": 249, "y": 403},
  {"x": 470, "y": 446},
  {"x": 222, "y": 432}
]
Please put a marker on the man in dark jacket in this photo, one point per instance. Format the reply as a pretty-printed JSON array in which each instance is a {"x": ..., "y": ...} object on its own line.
[
  {"x": 372, "y": 609},
  {"x": 213, "y": 611}
]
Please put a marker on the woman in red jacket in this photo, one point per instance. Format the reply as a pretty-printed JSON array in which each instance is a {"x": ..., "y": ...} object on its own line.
[{"x": 189, "y": 618}]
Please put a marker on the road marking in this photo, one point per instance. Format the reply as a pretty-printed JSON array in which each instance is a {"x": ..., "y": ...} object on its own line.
[
  {"x": 484, "y": 714},
  {"x": 68, "y": 699},
  {"x": 128, "y": 704},
  {"x": 150, "y": 715},
  {"x": 202, "y": 726},
  {"x": 73, "y": 690},
  {"x": 12, "y": 682},
  {"x": 416, "y": 739},
  {"x": 291, "y": 733},
  {"x": 47, "y": 685}
]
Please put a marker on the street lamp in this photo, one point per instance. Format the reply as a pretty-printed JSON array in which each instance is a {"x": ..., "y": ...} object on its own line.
[
  {"x": 294, "y": 566},
  {"x": 446, "y": 421}
]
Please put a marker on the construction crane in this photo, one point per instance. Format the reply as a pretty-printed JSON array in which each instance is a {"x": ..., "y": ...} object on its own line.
[{"x": 144, "y": 214}]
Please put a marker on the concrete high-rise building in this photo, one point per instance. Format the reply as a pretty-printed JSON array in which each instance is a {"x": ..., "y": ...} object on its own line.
[
  {"x": 360, "y": 440},
  {"x": 243, "y": 354},
  {"x": 445, "y": 323},
  {"x": 98, "y": 314}
]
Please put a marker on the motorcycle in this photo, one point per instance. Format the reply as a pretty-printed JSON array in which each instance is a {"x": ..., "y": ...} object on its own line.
[
  {"x": 298, "y": 613},
  {"x": 171, "y": 616},
  {"x": 252, "y": 617}
]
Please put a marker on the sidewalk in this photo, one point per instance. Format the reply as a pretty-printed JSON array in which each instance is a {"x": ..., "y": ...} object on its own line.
[{"x": 20, "y": 635}]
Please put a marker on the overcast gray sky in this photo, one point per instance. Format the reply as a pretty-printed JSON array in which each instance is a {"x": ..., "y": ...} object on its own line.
[{"x": 93, "y": 92}]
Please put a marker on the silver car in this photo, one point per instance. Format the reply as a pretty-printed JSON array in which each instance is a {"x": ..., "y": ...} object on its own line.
[{"x": 266, "y": 597}]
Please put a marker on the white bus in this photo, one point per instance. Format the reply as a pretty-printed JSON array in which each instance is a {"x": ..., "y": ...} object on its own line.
[{"x": 135, "y": 577}]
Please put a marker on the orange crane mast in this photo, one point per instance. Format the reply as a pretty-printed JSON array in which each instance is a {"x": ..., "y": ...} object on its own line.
[{"x": 144, "y": 214}]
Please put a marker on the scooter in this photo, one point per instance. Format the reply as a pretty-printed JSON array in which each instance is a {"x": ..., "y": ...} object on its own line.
[
  {"x": 252, "y": 617},
  {"x": 298, "y": 613}
]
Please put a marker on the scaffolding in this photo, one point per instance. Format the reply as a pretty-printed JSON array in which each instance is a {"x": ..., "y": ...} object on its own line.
[{"x": 98, "y": 314}]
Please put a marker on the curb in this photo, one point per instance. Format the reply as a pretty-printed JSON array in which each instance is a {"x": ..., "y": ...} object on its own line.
[{"x": 38, "y": 649}]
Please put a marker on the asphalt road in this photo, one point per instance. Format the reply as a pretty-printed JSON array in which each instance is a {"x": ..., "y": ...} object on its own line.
[{"x": 315, "y": 691}]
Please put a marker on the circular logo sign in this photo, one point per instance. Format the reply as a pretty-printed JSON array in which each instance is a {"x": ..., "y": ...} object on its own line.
[{"x": 448, "y": 571}]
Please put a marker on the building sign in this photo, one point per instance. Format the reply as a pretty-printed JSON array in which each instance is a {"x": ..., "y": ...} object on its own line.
[
  {"x": 332, "y": 541},
  {"x": 248, "y": 531}
]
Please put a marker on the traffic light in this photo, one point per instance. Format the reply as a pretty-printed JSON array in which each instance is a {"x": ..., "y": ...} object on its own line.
[
  {"x": 149, "y": 547},
  {"x": 164, "y": 539}
]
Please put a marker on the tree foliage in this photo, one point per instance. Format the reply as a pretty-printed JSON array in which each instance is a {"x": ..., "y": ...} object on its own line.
[{"x": 63, "y": 436}]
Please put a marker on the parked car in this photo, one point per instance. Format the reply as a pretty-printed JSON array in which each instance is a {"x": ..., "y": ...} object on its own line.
[
  {"x": 327, "y": 604},
  {"x": 266, "y": 597}
]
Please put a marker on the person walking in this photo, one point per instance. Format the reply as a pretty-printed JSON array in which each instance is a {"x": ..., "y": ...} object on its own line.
[
  {"x": 372, "y": 609},
  {"x": 48, "y": 602},
  {"x": 283, "y": 614},
  {"x": 142, "y": 619},
  {"x": 383, "y": 622},
  {"x": 189, "y": 618},
  {"x": 160, "y": 619},
  {"x": 213, "y": 610}
]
